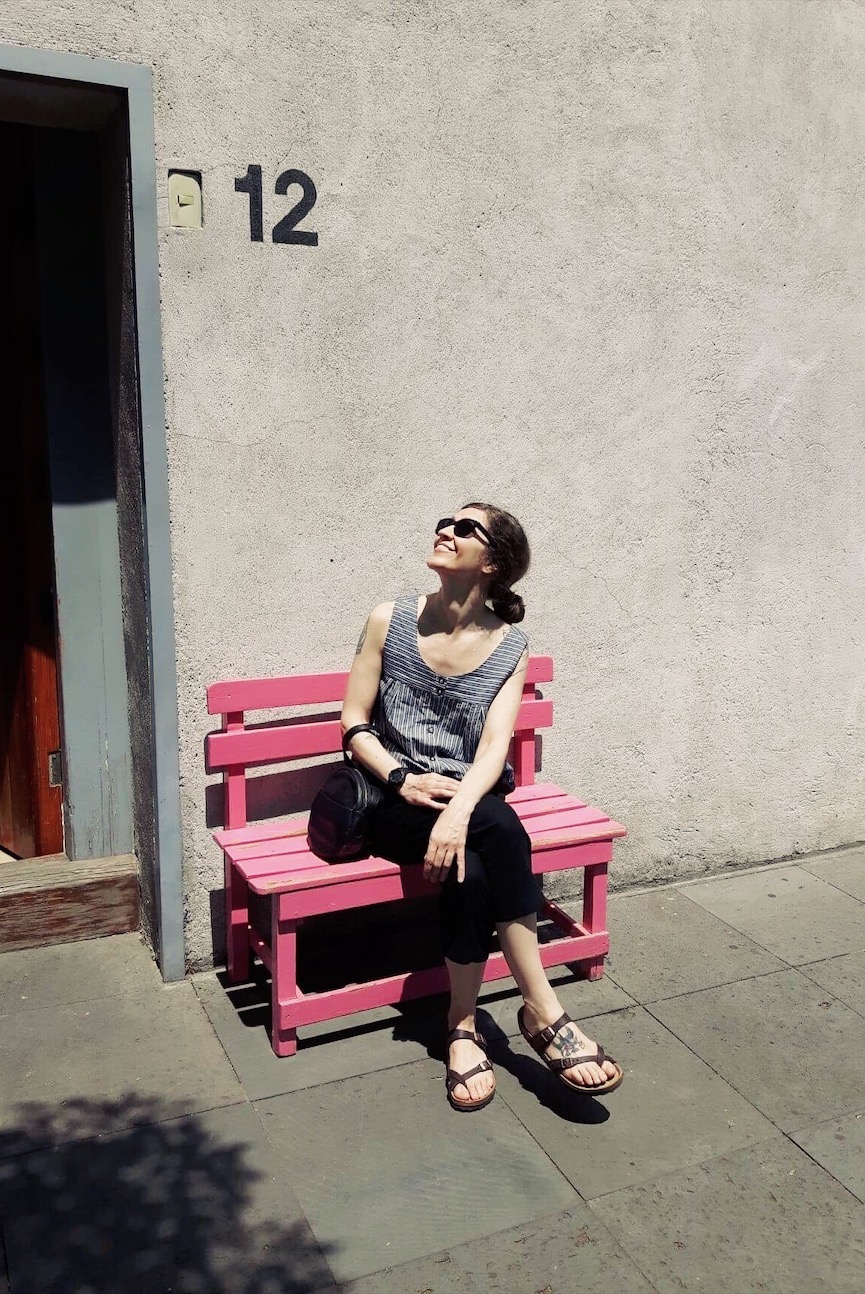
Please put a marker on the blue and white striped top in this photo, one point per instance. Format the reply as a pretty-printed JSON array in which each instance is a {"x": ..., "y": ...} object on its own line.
[{"x": 429, "y": 722}]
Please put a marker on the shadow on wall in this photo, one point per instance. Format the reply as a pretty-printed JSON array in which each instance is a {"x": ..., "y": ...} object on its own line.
[{"x": 159, "y": 1206}]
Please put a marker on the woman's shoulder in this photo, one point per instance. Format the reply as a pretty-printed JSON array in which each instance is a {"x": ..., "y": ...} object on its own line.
[
  {"x": 378, "y": 624},
  {"x": 509, "y": 631},
  {"x": 380, "y": 616}
]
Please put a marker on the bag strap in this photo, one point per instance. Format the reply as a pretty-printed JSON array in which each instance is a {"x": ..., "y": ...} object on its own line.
[{"x": 352, "y": 733}]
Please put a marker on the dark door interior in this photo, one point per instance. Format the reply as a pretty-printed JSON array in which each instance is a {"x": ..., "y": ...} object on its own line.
[{"x": 31, "y": 822}]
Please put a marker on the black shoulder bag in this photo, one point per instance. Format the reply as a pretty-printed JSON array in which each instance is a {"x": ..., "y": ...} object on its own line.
[{"x": 340, "y": 809}]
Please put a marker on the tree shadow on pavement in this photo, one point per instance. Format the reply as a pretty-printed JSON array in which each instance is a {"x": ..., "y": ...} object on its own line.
[{"x": 175, "y": 1202}]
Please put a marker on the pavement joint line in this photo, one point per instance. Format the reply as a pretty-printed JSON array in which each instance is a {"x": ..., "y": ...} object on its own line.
[
  {"x": 685, "y": 1168},
  {"x": 783, "y": 1132},
  {"x": 826, "y": 1123},
  {"x": 120, "y": 1130},
  {"x": 711, "y": 1067},
  {"x": 742, "y": 979},
  {"x": 492, "y": 1235},
  {"x": 752, "y": 939},
  {"x": 556, "y": 1167},
  {"x": 220, "y": 1043},
  {"x": 821, "y": 961},
  {"x": 839, "y": 888},
  {"x": 730, "y": 872},
  {"x": 855, "y": 1009},
  {"x": 803, "y": 1150}
]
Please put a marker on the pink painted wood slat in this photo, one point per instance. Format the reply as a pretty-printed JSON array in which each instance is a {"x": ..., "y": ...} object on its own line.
[
  {"x": 543, "y": 794},
  {"x": 292, "y": 855},
  {"x": 302, "y": 869},
  {"x": 313, "y": 689},
  {"x": 379, "y": 881},
  {"x": 290, "y": 837},
  {"x": 298, "y": 741}
]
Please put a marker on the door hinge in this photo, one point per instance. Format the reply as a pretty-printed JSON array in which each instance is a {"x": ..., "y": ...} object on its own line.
[{"x": 55, "y": 768}]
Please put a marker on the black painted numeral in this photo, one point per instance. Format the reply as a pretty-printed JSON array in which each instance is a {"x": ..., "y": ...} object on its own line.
[
  {"x": 286, "y": 231},
  {"x": 251, "y": 184}
]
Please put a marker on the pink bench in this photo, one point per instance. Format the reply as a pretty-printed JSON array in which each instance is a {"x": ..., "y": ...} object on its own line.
[{"x": 272, "y": 858}]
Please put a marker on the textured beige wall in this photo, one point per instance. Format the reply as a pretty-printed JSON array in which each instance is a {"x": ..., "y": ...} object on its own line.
[{"x": 601, "y": 263}]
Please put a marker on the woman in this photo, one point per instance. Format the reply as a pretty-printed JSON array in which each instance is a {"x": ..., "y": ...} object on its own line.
[{"x": 433, "y": 693}]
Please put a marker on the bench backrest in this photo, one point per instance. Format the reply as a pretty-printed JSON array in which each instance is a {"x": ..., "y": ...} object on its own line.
[{"x": 238, "y": 747}]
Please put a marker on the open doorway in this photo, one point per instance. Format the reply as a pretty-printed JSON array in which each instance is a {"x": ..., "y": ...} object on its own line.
[
  {"x": 31, "y": 819},
  {"x": 65, "y": 767},
  {"x": 88, "y": 705}
]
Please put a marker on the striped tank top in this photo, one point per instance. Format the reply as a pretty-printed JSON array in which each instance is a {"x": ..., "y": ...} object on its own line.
[{"x": 429, "y": 722}]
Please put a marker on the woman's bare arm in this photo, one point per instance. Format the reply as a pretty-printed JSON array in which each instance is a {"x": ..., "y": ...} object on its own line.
[{"x": 492, "y": 751}]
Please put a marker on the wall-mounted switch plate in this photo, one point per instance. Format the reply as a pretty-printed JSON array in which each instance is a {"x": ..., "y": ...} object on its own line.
[{"x": 184, "y": 199}]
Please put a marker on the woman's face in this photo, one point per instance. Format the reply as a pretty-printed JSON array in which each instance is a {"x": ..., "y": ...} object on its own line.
[{"x": 458, "y": 554}]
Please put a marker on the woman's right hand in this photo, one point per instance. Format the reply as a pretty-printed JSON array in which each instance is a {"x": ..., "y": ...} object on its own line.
[{"x": 432, "y": 790}]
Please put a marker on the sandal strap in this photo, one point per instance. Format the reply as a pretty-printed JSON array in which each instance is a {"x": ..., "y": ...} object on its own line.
[
  {"x": 571, "y": 1062},
  {"x": 478, "y": 1039},
  {"x": 453, "y": 1079},
  {"x": 540, "y": 1041}
]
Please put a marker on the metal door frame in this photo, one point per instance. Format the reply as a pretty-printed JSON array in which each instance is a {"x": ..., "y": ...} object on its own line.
[{"x": 137, "y": 83}]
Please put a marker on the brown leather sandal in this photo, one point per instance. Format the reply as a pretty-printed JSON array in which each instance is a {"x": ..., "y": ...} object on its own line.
[
  {"x": 541, "y": 1040},
  {"x": 453, "y": 1079}
]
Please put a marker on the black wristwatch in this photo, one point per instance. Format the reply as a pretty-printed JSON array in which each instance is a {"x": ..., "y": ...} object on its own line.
[{"x": 395, "y": 779}]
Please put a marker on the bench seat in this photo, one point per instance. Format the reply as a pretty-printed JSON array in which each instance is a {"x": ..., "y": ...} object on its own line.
[{"x": 273, "y": 858}]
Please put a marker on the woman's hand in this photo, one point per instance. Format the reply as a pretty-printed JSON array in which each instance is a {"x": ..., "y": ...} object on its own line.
[
  {"x": 432, "y": 790},
  {"x": 447, "y": 846}
]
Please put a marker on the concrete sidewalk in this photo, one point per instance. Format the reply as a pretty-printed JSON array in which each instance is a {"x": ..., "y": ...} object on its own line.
[{"x": 150, "y": 1141}]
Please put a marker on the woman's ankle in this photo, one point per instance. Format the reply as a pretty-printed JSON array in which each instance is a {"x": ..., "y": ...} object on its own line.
[{"x": 544, "y": 1009}]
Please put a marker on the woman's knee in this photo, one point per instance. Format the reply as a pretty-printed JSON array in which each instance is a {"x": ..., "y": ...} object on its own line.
[
  {"x": 492, "y": 816},
  {"x": 475, "y": 882}
]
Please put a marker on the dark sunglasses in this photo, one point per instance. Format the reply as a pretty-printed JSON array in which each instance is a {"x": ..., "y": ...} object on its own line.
[{"x": 464, "y": 527}]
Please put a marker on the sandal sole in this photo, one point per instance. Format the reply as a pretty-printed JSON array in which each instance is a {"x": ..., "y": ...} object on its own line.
[{"x": 469, "y": 1108}]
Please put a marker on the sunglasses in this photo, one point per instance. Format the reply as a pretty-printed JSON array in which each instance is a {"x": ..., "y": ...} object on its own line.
[{"x": 464, "y": 527}]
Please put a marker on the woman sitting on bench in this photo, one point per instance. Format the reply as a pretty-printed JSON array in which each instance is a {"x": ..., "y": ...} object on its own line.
[{"x": 436, "y": 686}]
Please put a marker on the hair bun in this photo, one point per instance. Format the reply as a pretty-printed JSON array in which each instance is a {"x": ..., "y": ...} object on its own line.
[{"x": 507, "y": 605}]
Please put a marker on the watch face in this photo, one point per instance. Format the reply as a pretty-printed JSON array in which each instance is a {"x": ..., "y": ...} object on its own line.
[{"x": 396, "y": 777}]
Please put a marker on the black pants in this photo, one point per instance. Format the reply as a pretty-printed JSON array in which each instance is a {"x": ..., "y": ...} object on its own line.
[{"x": 499, "y": 884}]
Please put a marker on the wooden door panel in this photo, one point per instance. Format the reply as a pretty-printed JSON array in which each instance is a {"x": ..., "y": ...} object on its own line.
[{"x": 30, "y": 809}]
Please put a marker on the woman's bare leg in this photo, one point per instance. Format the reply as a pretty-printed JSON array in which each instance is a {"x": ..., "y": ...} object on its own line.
[
  {"x": 519, "y": 943},
  {"x": 466, "y": 983}
]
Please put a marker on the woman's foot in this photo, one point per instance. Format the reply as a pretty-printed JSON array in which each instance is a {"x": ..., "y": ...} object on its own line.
[
  {"x": 568, "y": 1044},
  {"x": 463, "y": 1055}
]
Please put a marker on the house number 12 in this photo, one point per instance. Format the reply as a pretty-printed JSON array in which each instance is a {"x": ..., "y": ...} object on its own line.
[{"x": 285, "y": 230}]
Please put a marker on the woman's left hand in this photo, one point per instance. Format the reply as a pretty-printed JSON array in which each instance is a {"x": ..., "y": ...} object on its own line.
[{"x": 447, "y": 845}]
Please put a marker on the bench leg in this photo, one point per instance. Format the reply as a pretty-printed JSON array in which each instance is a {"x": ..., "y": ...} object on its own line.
[
  {"x": 236, "y": 925},
  {"x": 283, "y": 951},
  {"x": 594, "y": 914}
]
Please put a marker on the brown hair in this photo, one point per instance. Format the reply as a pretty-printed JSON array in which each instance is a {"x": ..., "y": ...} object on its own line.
[{"x": 510, "y": 555}]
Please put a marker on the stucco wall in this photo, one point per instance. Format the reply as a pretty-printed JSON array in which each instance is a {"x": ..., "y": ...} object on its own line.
[{"x": 601, "y": 263}]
